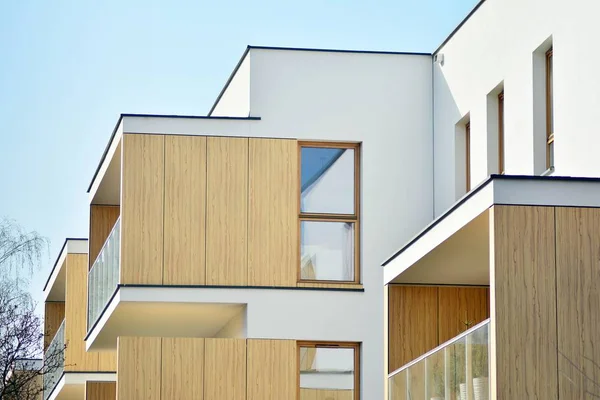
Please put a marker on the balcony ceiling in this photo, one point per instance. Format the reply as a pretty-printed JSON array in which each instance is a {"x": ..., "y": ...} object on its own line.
[
  {"x": 164, "y": 320},
  {"x": 462, "y": 259}
]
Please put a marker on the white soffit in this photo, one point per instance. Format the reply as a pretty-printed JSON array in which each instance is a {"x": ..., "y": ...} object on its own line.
[
  {"x": 54, "y": 290},
  {"x": 107, "y": 160},
  {"x": 439, "y": 231},
  {"x": 497, "y": 190}
]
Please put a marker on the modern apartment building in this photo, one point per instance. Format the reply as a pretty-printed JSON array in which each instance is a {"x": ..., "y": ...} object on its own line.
[{"x": 238, "y": 255}]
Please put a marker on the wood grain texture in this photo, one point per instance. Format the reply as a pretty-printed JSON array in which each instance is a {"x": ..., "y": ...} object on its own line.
[
  {"x": 76, "y": 358},
  {"x": 54, "y": 314},
  {"x": 525, "y": 303},
  {"x": 100, "y": 390},
  {"x": 102, "y": 220},
  {"x": 460, "y": 308},
  {"x": 326, "y": 394},
  {"x": 107, "y": 361},
  {"x": 273, "y": 256},
  {"x": 330, "y": 285},
  {"x": 139, "y": 368},
  {"x": 578, "y": 295},
  {"x": 227, "y": 212},
  {"x": 407, "y": 341},
  {"x": 142, "y": 198},
  {"x": 182, "y": 368},
  {"x": 225, "y": 369},
  {"x": 185, "y": 210},
  {"x": 272, "y": 373}
]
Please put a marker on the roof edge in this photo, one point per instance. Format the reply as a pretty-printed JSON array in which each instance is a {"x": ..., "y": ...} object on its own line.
[
  {"x": 401, "y": 53},
  {"x": 460, "y": 25},
  {"x": 58, "y": 257},
  {"x": 493, "y": 177},
  {"x": 228, "y": 82}
]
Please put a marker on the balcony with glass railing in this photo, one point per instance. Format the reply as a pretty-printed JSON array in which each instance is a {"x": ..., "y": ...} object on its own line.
[
  {"x": 456, "y": 370},
  {"x": 104, "y": 275},
  {"x": 54, "y": 357}
]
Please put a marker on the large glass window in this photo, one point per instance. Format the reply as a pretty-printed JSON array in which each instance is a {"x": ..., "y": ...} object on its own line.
[
  {"x": 329, "y": 370},
  {"x": 328, "y": 214}
]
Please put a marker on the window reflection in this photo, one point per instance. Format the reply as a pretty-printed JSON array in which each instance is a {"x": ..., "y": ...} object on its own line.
[
  {"x": 327, "y": 251},
  {"x": 327, "y": 180}
]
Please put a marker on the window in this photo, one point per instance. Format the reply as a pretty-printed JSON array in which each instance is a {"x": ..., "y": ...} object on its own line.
[
  {"x": 328, "y": 370},
  {"x": 549, "y": 111},
  {"x": 501, "y": 133},
  {"x": 468, "y": 156},
  {"x": 328, "y": 212}
]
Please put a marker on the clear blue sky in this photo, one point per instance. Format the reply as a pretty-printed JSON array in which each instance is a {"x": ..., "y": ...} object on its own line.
[{"x": 69, "y": 68}]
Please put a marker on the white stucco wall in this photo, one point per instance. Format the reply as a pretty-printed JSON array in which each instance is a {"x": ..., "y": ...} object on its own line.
[
  {"x": 381, "y": 100},
  {"x": 384, "y": 101},
  {"x": 235, "y": 101},
  {"x": 497, "y": 45}
]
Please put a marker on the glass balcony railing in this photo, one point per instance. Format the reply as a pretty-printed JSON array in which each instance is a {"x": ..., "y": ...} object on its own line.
[
  {"x": 55, "y": 361},
  {"x": 456, "y": 370},
  {"x": 104, "y": 275}
]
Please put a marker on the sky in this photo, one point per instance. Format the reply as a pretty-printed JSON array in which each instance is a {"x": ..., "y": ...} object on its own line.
[{"x": 69, "y": 68}]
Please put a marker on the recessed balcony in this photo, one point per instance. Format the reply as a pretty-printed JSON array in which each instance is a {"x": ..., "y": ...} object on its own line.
[{"x": 458, "y": 370}]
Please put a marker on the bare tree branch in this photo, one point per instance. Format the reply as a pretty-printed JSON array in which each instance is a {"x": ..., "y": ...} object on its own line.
[
  {"x": 21, "y": 339},
  {"x": 19, "y": 250}
]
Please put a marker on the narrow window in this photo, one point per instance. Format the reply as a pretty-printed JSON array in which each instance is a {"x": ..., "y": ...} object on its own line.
[
  {"x": 328, "y": 370},
  {"x": 329, "y": 209},
  {"x": 468, "y": 156},
  {"x": 501, "y": 133},
  {"x": 549, "y": 111}
]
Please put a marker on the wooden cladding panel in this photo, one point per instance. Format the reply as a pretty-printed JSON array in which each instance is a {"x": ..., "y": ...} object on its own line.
[
  {"x": 227, "y": 212},
  {"x": 407, "y": 341},
  {"x": 100, "y": 390},
  {"x": 185, "y": 210},
  {"x": 107, "y": 361},
  {"x": 102, "y": 220},
  {"x": 182, "y": 368},
  {"x": 76, "y": 358},
  {"x": 142, "y": 198},
  {"x": 139, "y": 368},
  {"x": 272, "y": 373},
  {"x": 225, "y": 369},
  {"x": 54, "y": 314},
  {"x": 525, "y": 302},
  {"x": 578, "y": 295},
  {"x": 326, "y": 394},
  {"x": 460, "y": 308},
  {"x": 273, "y": 213}
]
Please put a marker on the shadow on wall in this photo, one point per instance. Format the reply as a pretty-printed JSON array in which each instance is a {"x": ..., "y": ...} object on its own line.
[{"x": 448, "y": 145}]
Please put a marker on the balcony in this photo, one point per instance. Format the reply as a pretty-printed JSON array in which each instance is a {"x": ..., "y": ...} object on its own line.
[
  {"x": 104, "y": 275},
  {"x": 456, "y": 370},
  {"x": 55, "y": 349}
]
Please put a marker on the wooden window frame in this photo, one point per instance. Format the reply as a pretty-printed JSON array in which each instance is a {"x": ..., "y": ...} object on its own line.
[
  {"x": 327, "y": 217},
  {"x": 468, "y": 156},
  {"x": 501, "y": 133},
  {"x": 331, "y": 345},
  {"x": 549, "y": 106}
]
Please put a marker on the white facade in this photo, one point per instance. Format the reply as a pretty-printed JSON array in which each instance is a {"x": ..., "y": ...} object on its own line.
[
  {"x": 382, "y": 100},
  {"x": 408, "y": 111},
  {"x": 503, "y": 45}
]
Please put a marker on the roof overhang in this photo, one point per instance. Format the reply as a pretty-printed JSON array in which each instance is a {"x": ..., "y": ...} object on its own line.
[
  {"x": 54, "y": 289},
  {"x": 102, "y": 186},
  {"x": 71, "y": 385},
  {"x": 464, "y": 228}
]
